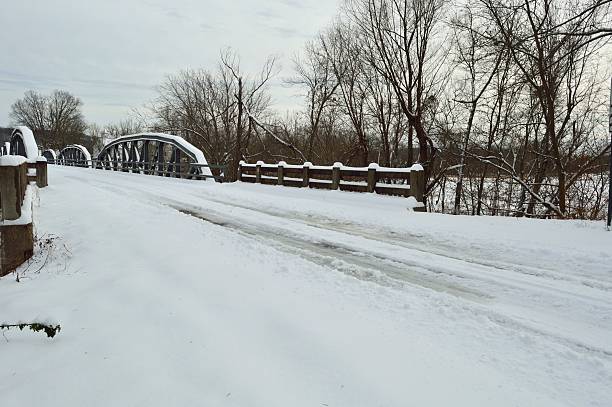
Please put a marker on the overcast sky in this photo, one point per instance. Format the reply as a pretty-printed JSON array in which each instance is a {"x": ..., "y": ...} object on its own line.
[{"x": 112, "y": 53}]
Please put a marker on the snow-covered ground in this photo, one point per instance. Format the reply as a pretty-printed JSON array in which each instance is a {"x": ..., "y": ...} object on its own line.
[{"x": 190, "y": 293}]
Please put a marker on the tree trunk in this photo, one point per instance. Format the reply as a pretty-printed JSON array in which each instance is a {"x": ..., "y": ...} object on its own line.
[{"x": 239, "y": 131}]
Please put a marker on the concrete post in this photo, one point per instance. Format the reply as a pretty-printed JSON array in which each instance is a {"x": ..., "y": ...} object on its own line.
[
  {"x": 417, "y": 185},
  {"x": 336, "y": 176},
  {"x": 41, "y": 173},
  {"x": 16, "y": 241},
  {"x": 13, "y": 182},
  {"x": 281, "y": 172},
  {"x": 16, "y": 246},
  {"x": 372, "y": 177}
]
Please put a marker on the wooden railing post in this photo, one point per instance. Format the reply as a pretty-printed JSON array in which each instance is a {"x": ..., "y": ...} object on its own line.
[
  {"x": 336, "y": 176},
  {"x": 372, "y": 178},
  {"x": 281, "y": 172},
  {"x": 41, "y": 172},
  {"x": 240, "y": 164},
  {"x": 306, "y": 174},
  {"x": 417, "y": 185},
  {"x": 258, "y": 172}
]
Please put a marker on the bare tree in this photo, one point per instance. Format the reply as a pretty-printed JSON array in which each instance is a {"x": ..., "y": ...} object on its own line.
[
  {"x": 245, "y": 95},
  {"x": 478, "y": 65},
  {"x": 30, "y": 111},
  {"x": 345, "y": 56},
  {"x": 130, "y": 125},
  {"x": 400, "y": 36},
  {"x": 314, "y": 72},
  {"x": 219, "y": 111},
  {"x": 57, "y": 119},
  {"x": 552, "y": 44}
]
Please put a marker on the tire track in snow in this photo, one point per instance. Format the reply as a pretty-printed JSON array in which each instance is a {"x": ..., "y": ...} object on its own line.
[
  {"x": 362, "y": 264},
  {"x": 395, "y": 238},
  {"x": 375, "y": 268}
]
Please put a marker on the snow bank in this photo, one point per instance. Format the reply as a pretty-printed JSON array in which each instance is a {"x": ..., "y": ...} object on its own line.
[{"x": 412, "y": 203}]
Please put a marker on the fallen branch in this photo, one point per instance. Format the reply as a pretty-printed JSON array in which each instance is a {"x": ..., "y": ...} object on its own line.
[
  {"x": 274, "y": 136},
  {"x": 509, "y": 169}
]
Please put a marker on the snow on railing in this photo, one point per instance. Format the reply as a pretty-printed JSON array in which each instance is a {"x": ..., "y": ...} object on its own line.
[
  {"x": 407, "y": 182},
  {"x": 16, "y": 173},
  {"x": 414, "y": 167}
]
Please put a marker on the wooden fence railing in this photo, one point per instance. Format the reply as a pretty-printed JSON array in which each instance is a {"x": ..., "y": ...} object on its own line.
[{"x": 388, "y": 181}]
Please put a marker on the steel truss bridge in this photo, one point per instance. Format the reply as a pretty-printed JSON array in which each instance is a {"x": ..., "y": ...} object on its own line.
[{"x": 145, "y": 153}]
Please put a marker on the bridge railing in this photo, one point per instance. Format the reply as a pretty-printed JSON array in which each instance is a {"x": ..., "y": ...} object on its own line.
[
  {"x": 16, "y": 198},
  {"x": 175, "y": 170},
  {"x": 407, "y": 182},
  {"x": 37, "y": 172}
]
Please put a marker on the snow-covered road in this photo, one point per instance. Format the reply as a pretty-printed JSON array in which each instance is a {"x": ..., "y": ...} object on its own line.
[{"x": 174, "y": 292}]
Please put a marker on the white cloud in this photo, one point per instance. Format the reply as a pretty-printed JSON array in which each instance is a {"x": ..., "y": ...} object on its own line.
[{"x": 113, "y": 53}]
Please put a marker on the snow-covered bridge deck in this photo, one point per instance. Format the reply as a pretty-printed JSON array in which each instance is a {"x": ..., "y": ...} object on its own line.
[{"x": 176, "y": 292}]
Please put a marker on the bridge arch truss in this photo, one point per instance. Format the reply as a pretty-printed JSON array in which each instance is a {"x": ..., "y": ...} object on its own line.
[
  {"x": 154, "y": 154},
  {"x": 74, "y": 155},
  {"x": 23, "y": 143},
  {"x": 50, "y": 155}
]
